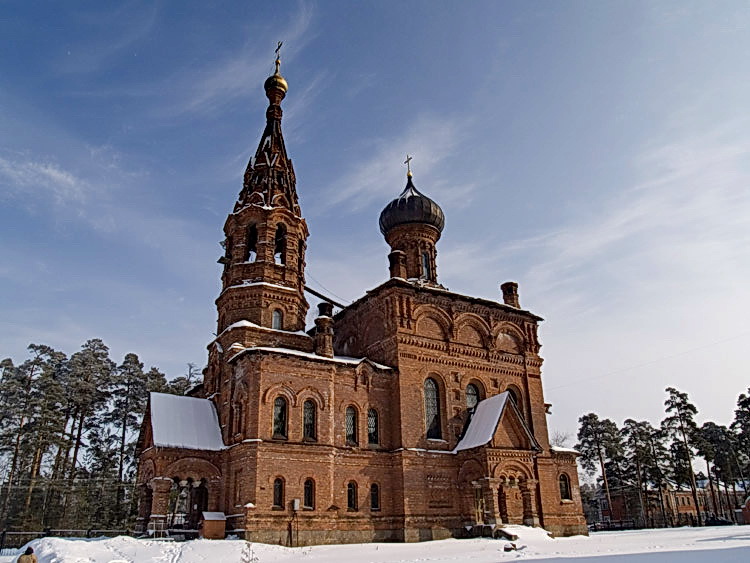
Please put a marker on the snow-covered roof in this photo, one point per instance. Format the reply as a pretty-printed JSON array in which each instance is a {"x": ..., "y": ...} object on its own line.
[
  {"x": 564, "y": 450},
  {"x": 185, "y": 422},
  {"x": 483, "y": 422},
  {"x": 214, "y": 516},
  {"x": 291, "y": 352}
]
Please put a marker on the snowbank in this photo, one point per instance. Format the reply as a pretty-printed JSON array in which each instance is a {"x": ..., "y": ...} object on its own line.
[{"x": 730, "y": 544}]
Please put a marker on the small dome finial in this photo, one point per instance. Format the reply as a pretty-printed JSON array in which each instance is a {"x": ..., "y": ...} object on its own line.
[
  {"x": 408, "y": 165},
  {"x": 276, "y": 81}
]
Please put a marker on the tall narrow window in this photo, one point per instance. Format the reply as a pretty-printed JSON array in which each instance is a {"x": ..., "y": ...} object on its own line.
[
  {"x": 472, "y": 396},
  {"x": 351, "y": 426},
  {"x": 278, "y": 493},
  {"x": 432, "y": 409},
  {"x": 373, "y": 431},
  {"x": 351, "y": 496},
  {"x": 565, "y": 487},
  {"x": 279, "y": 247},
  {"x": 308, "y": 496},
  {"x": 308, "y": 422},
  {"x": 374, "y": 497},
  {"x": 279, "y": 418},
  {"x": 251, "y": 252},
  {"x": 426, "y": 271},
  {"x": 277, "y": 319}
]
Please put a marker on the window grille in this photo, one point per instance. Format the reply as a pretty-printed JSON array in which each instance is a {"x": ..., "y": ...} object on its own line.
[
  {"x": 432, "y": 409},
  {"x": 373, "y": 431},
  {"x": 279, "y": 418},
  {"x": 277, "y": 320},
  {"x": 565, "y": 487},
  {"x": 308, "y": 498},
  {"x": 374, "y": 497},
  {"x": 351, "y": 426},
  {"x": 308, "y": 423},
  {"x": 472, "y": 396},
  {"x": 278, "y": 493},
  {"x": 351, "y": 496}
]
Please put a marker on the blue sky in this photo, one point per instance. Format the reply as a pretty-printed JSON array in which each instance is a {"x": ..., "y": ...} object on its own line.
[{"x": 595, "y": 152}]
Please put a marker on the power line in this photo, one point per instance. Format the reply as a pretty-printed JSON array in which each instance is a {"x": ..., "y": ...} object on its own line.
[{"x": 650, "y": 362}]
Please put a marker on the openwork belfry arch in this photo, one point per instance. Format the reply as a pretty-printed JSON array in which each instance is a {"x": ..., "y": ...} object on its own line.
[{"x": 432, "y": 409}]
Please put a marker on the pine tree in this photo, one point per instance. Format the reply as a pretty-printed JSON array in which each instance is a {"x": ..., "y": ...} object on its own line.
[
  {"x": 598, "y": 442},
  {"x": 680, "y": 424},
  {"x": 182, "y": 384},
  {"x": 90, "y": 379},
  {"x": 741, "y": 427},
  {"x": 44, "y": 427}
]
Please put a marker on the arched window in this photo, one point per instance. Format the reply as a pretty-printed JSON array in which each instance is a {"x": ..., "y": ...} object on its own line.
[
  {"x": 472, "y": 396},
  {"x": 373, "y": 432},
  {"x": 426, "y": 270},
  {"x": 374, "y": 497},
  {"x": 351, "y": 426},
  {"x": 308, "y": 495},
  {"x": 351, "y": 496},
  {"x": 251, "y": 252},
  {"x": 278, "y": 493},
  {"x": 565, "y": 487},
  {"x": 308, "y": 420},
  {"x": 279, "y": 418},
  {"x": 279, "y": 247},
  {"x": 432, "y": 409},
  {"x": 277, "y": 319}
]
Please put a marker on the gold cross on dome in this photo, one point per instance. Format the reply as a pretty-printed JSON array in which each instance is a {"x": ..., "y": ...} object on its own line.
[
  {"x": 408, "y": 164},
  {"x": 278, "y": 56}
]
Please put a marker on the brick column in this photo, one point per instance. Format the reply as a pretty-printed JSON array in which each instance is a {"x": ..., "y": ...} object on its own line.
[
  {"x": 160, "y": 487},
  {"x": 502, "y": 502},
  {"x": 144, "y": 508},
  {"x": 491, "y": 502},
  {"x": 528, "y": 494}
]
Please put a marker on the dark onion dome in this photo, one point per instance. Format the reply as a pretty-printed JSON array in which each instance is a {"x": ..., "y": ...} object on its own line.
[{"x": 412, "y": 206}]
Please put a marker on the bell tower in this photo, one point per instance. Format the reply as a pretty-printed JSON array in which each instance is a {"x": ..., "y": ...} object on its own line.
[{"x": 262, "y": 301}]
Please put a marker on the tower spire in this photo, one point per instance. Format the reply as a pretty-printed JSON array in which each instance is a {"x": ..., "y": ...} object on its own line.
[{"x": 269, "y": 177}]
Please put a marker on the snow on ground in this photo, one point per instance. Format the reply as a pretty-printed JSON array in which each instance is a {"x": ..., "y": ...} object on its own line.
[{"x": 730, "y": 544}]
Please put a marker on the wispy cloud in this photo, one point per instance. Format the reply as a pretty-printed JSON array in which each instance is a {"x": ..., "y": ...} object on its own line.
[
  {"x": 210, "y": 88},
  {"x": 22, "y": 176},
  {"x": 122, "y": 29},
  {"x": 429, "y": 139}
]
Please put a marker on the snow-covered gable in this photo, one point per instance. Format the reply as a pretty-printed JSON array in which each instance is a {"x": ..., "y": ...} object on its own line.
[
  {"x": 484, "y": 422},
  {"x": 185, "y": 422}
]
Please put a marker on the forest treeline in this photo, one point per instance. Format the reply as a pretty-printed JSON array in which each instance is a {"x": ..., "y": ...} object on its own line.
[
  {"x": 68, "y": 432},
  {"x": 638, "y": 461}
]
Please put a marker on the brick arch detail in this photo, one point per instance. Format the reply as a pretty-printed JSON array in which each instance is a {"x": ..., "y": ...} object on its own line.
[
  {"x": 147, "y": 472},
  {"x": 470, "y": 470},
  {"x": 437, "y": 315},
  {"x": 477, "y": 323},
  {"x": 512, "y": 469},
  {"x": 194, "y": 467},
  {"x": 314, "y": 394},
  {"x": 513, "y": 330},
  {"x": 280, "y": 389}
]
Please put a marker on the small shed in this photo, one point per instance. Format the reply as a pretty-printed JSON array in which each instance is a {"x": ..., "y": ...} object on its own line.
[{"x": 213, "y": 525}]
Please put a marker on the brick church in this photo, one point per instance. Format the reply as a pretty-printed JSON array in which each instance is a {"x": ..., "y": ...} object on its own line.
[{"x": 414, "y": 413}]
